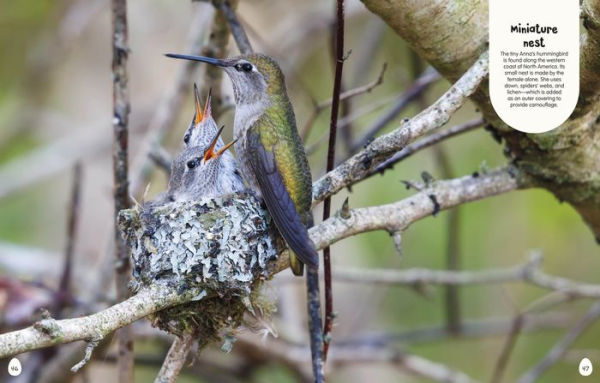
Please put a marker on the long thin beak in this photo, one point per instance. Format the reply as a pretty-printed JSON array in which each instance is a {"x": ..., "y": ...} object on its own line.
[
  {"x": 209, "y": 60},
  {"x": 210, "y": 154}
]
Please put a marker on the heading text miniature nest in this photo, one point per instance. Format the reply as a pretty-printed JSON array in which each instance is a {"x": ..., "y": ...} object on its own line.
[{"x": 222, "y": 246}]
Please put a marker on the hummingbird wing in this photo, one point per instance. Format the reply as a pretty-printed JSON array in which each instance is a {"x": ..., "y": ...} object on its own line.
[{"x": 278, "y": 200}]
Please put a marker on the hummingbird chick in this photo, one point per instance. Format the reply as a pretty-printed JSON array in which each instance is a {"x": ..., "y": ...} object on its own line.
[
  {"x": 203, "y": 172},
  {"x": 203, "y": 127},
  {"x": 269, "y": 150}
]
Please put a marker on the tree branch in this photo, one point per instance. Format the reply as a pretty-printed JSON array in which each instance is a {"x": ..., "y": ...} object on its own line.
[
  {"x": 50, "y": 332},
  {"x": 398, "y": 216},
  {"x": 361, "y": 164},
  {"x": 175, "y": 359},
  {"x": 237, "y": 31},
  {"x": 529, "y": 272},
  {"x": 121, "y": 110}
]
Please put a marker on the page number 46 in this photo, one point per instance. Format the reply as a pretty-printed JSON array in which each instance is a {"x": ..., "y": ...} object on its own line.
[{"x": 14, "y": 367}]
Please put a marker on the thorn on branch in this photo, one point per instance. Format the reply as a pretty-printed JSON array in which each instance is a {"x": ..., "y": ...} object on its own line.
[{"x": 345, "y": 210}]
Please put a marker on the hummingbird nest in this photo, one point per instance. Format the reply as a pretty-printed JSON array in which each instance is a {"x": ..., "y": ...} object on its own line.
[{"x": 220, "y": 246}]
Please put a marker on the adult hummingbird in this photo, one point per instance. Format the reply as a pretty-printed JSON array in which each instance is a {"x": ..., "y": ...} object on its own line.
[{"x": 269, "y": 149}]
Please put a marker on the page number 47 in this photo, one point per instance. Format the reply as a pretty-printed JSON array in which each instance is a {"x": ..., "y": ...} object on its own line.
[{"x": 585, "y": 367}]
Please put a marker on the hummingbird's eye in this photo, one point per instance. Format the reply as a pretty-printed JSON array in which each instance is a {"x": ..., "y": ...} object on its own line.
[
  {"x": 246, "y": 67},
  {"x": 191, "y": 164},
  {"x": 186, "y": 138}
]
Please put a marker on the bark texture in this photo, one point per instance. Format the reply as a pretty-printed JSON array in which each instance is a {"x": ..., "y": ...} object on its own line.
[{"x": 452, "y": 34}]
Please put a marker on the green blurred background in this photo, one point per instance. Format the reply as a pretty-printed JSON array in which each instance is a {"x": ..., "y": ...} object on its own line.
[{"x": 56, "y": 97}]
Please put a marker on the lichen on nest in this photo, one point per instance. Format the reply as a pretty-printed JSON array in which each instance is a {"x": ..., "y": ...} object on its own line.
[{"x": 220, "y": 246}]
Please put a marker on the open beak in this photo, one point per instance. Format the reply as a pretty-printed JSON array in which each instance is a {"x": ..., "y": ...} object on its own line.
[
  {"x": 200, "y": 115},
  {"x": 208, "y": 60},
  {"x": 210, "y": 153}
]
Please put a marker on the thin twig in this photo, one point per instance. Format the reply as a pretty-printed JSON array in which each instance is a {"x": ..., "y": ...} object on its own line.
[
  {"x": 367, "y": 88},
  {"x": 121, "y": 109},
  {"x": 426, "y": 142},
  {"x": 337, "y": 86},
  {"x": 162, "y": 159},
  {"x": 550, "y": 300},
  {"x": 91, "y": 346},
  {"x": 511, "y": 340},
  {"x": 64, "y": 287},
  {"x": 175, "y": 359},
  {"x": 452, "y": 302},
  {"x": 478, "y": 328},
  {"x": 313, "y": 301},
  {"x": 58, "y": 369},
  {"x": 410, "y": 363},
  {"x": 358, "y": 166},
  {"x": 413, "y": 93},
  {"x": 344, "y": 107},
  {"x": 561, "y": 347},
  {"x": 529, "y": 272},
  {"x": 295, "y": 355},
  {"x": 235, "y": 27}
]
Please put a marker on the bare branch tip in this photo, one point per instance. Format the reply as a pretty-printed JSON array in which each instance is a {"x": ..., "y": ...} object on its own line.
[{"x": 92, "y": 344}]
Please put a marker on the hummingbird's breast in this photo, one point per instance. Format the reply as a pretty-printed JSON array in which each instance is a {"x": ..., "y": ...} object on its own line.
[{"x": 246, "y": 116}]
